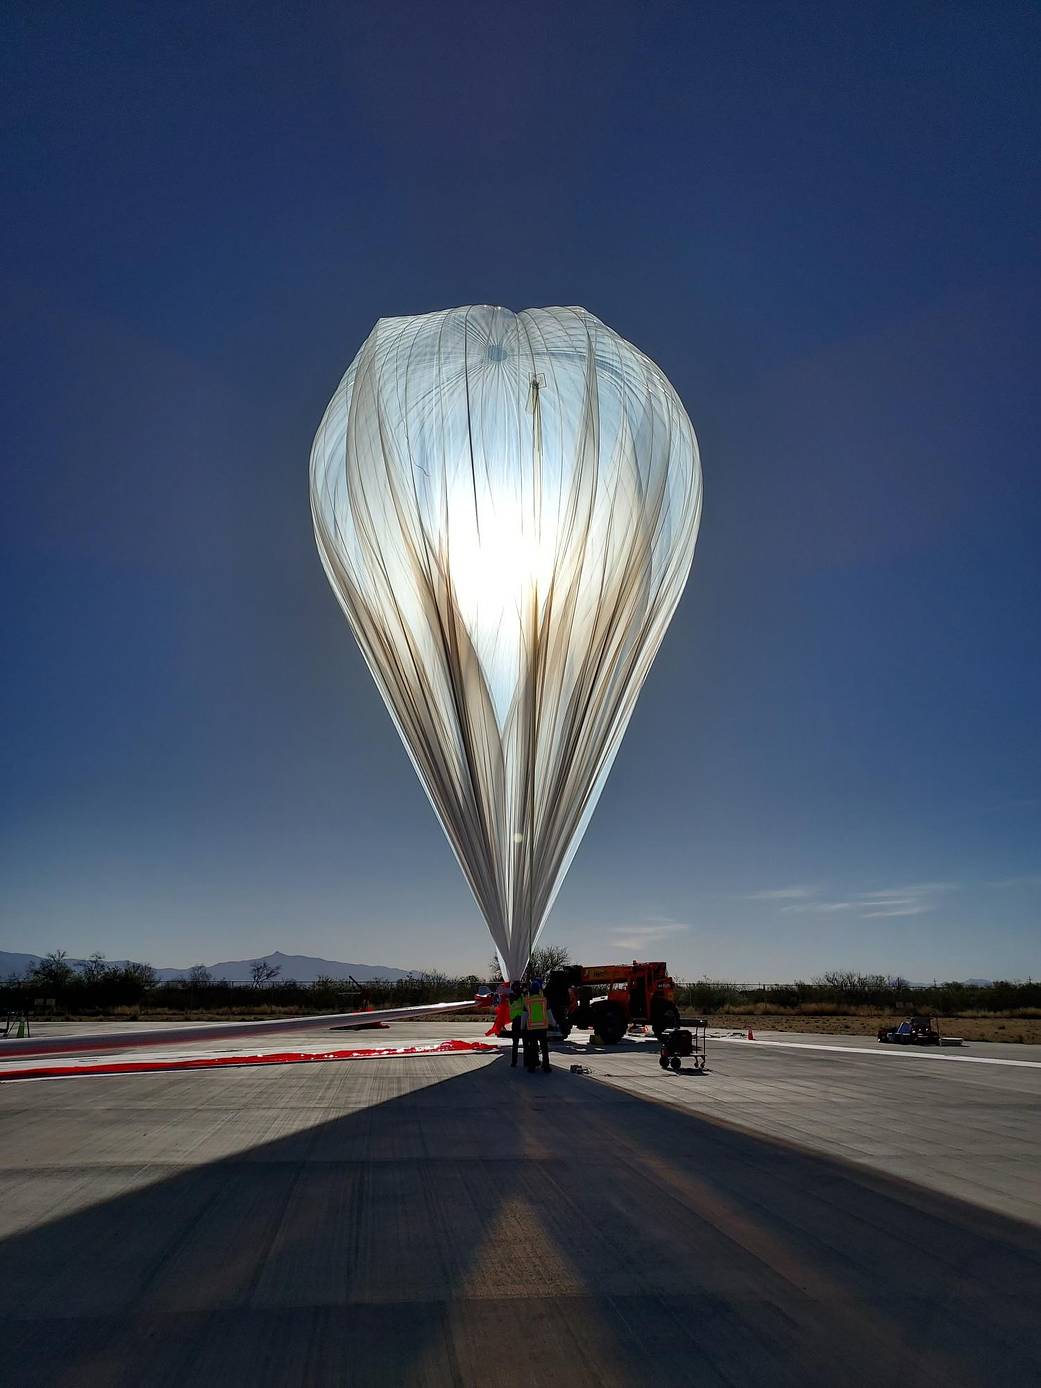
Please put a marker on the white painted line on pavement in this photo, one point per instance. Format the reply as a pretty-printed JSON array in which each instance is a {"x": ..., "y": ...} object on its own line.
[{"x": 905, "y": 1051}]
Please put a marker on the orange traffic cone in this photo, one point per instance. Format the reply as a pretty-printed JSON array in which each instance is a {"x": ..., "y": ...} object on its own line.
[
  {"x": 369, "y": 1026},
  {"x": 751, "y": 1035}
]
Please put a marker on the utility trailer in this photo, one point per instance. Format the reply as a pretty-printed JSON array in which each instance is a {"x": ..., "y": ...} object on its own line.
[{"x": 684, "y": 1043}]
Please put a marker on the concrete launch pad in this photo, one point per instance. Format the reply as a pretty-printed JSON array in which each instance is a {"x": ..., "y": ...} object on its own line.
[{"x": 793, "y": 1216}]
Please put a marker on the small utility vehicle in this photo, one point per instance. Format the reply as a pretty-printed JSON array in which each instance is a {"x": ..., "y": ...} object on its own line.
[{"x": 915, "y": 1031}]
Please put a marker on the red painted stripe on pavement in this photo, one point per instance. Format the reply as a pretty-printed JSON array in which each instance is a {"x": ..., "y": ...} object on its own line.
[{"x": 129, "y": 1067}]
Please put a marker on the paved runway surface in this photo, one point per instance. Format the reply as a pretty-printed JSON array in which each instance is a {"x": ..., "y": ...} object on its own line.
[{"x": 790, "y": 1217}]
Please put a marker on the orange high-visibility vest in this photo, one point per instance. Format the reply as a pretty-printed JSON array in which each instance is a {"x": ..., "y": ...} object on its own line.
[{"x": 538, "y": 1015}]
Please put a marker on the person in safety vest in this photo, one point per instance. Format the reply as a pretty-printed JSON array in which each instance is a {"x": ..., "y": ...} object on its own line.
[
  {"x": 536, "y": 1034},
  {"x": 516, "y": 1019}
]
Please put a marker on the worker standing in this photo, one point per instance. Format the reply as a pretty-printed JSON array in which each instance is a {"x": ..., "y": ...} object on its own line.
[
  {"x": 536, "y": 1018},
  {"x": 516, "y": 1019}
]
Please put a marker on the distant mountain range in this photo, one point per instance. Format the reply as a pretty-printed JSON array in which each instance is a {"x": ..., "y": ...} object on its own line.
[
  {"x": 297, "y": 968},
  {"x": 300, "y": 968}
]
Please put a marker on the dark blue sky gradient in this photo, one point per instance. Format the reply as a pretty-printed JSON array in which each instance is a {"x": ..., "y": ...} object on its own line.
[{"x": 821, "y": 220}]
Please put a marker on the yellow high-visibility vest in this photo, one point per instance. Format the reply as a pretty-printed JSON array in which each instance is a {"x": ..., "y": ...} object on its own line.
[
  {"x": 516, "y": 1007},
  {"x": 538, "y": 1014}
]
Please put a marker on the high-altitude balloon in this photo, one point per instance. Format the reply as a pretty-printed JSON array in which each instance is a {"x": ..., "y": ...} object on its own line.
[{"x": 506, "y": 506}]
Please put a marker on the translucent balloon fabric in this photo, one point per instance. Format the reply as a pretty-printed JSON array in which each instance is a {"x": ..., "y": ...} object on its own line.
[{"x": 506, "y": 506}]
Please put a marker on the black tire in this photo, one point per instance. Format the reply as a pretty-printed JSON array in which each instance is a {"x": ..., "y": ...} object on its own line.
[
  {"x": 559, "y": 1004},
  {"x": 664, "y": 1017},
  {"x": 676, "y": 1063},
  {"x": 608, "y": 1020}
]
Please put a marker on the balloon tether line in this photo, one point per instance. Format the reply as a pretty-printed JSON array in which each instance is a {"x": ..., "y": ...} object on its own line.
[{"x": 536, "y": 500}]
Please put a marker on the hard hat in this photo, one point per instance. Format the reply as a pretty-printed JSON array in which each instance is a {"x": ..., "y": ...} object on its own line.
[{"x": 536, "y": 985}]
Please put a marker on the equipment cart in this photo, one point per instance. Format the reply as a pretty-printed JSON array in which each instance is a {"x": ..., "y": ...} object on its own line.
[{"x": 684, "y": 1043}]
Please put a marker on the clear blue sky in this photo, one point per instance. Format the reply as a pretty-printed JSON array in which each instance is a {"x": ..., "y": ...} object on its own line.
[{"x": 822, "y": 220}]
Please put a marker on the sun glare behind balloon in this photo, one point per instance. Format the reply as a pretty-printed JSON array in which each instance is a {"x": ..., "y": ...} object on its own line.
[{"x": 501, "y": 566}]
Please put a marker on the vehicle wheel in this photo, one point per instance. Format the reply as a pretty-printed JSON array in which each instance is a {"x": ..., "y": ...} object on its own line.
[
  {"x": 664, "y": 1016},
  {"x": 676, "y": 1063},
  {"x": 608, "y": 1020},
  {"x": 565, "y": 1029}
]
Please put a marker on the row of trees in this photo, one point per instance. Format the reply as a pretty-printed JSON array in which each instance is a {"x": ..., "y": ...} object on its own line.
[
  {"x": 847, "y": 990},
  {"x": 55, "y": 971},
  {"x": 96, "y": 986}
]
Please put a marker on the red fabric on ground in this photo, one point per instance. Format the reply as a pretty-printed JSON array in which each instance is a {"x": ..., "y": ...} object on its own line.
[{"x": 128, "y": 1067}]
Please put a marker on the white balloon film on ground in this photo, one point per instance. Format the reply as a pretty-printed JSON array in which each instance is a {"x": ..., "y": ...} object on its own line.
[{"x": 506, "y": 506}]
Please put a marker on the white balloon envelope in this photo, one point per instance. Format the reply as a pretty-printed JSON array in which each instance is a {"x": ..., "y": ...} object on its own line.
[{"x": 506, "y": 506}]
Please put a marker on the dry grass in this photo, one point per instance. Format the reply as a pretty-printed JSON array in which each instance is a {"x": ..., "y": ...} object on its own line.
[
  {"x": 828, "y": 1019},
  {"x": 978, "y": 1027}
]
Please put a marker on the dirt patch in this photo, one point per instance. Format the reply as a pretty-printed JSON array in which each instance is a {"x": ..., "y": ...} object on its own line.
[{"x": 1026, "y": 1030}]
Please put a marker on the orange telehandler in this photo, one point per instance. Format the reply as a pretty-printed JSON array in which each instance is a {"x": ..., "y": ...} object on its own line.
[{"x": 608, "y": 997}]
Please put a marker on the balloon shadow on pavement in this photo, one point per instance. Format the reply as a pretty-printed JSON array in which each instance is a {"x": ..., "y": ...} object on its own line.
[{"x": 488, "y": 1227}]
